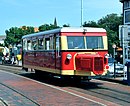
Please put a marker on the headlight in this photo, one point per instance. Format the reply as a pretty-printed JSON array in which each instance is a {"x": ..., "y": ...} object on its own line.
[{"x": 69, "y": 56}]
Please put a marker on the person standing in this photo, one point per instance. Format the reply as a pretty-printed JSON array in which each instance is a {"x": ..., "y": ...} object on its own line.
[{"x": 13, "y": 59}]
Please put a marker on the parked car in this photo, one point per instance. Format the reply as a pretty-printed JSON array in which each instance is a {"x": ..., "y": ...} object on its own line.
[{"x": 119, "y": 68}]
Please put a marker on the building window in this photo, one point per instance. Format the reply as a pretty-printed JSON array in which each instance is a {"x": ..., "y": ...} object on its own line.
[
  {"x": 126, "y": 4},
  {"x": 127, "y": 16}
]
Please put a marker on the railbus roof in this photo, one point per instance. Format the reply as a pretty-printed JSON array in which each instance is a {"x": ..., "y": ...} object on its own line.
[{"x": 66, "y": 29}]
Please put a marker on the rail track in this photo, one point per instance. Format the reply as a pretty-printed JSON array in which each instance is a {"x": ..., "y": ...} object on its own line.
[
  {"x": 103, "y": 90},
  {"x": 20, "y": 97}
]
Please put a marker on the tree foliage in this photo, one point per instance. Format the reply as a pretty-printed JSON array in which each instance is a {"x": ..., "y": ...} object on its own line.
[
  {"x": 14, "y": 34},
  {"x": 90, "y": 24},
  {"x": 47, "y": 27},
  {"x": 111, "y": 23},
  {"x": 66, "y": 25}
]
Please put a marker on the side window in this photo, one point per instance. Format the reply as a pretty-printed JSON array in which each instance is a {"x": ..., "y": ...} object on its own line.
[
  {"x": 29, "y": 45},
  {"x": 51, "y": 43},
  {"x": 24, "y": 44},
  {"x": 47, "y": 43},
  {"x": 41, "y": 44},
  {"x": 57, "y": 43},
  {"x": 34, "y": 44}
]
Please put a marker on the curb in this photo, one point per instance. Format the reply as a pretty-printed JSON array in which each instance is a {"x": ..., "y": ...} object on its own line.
[{"x": 124, "y": 82}]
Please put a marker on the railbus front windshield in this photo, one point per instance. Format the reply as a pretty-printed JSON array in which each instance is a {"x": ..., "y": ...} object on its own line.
[{"x": 88, "y": 42}]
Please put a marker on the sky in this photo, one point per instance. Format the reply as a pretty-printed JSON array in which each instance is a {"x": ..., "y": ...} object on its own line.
[{"x": 16, "y": 13}]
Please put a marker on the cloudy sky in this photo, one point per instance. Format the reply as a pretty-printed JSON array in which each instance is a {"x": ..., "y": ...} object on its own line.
[{"x": 16, "y": 13}]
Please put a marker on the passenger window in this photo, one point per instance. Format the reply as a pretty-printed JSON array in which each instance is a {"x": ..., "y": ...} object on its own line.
[
  {"x": 41, "y": 44},
  {"x": 47, "y": 44},
  {"x": 57, "y": 46},
  {"x": 57, "y": 43},
  {"x": 24, "y": 44},
  {"x": 34, "y": 45},
  {"x": 51, "y": 43},
  {"x": 29, "y": 45}
]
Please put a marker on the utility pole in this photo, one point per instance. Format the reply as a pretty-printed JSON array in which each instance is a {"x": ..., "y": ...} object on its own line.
[{"x": 81, "y": 13}]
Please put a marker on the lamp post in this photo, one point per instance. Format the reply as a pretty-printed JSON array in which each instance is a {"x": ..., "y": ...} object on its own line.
[
  {"x": 81, "y": 13},
  {"x": 114, "y": 47}
]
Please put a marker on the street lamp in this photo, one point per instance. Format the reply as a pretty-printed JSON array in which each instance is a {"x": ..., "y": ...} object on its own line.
[
  {"x": 81, "y": 13},
  {"x": 114, "y": 47}
]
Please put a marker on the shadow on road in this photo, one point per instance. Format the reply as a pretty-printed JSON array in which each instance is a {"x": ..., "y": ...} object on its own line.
[{"x": 62, "y": 82}]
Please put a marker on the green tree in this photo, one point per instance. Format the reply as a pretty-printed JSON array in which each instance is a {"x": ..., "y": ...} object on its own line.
[
  {"x": 2, "y": 45},
  {"x": 111, "y": 23},
  {"x": 47, "y": 27},
  {"x": 90, "y": 24},
  {"x": 14, "y": 34},
  {"x": 66, "y": 25}
]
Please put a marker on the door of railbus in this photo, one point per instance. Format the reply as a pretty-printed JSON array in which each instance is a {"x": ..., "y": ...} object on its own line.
[{"x": 57, "y": 53}]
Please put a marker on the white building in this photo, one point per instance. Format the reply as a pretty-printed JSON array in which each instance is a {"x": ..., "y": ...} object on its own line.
[{"x": 2, "y": 38}]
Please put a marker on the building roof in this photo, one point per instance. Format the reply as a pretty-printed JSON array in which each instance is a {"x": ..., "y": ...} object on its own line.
[{"x": 2, "y": 37}]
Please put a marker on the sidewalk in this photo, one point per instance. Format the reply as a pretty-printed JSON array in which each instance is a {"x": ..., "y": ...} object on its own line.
[
  {"x": 120, "y": 80},
  {"x": 19, "y": 63}
]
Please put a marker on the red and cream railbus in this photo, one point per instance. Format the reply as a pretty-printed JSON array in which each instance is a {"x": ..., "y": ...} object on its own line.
[{"x": 77, "y": 52}]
